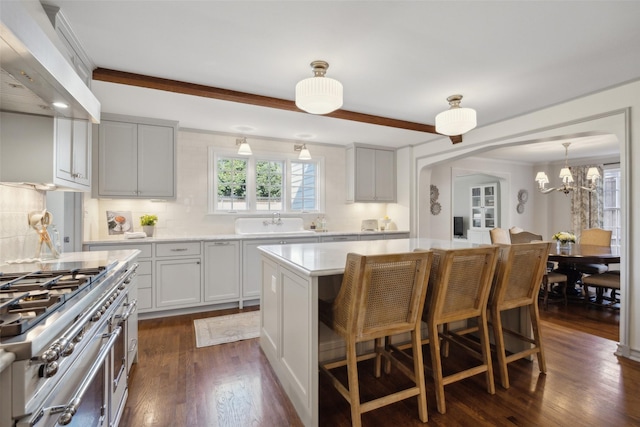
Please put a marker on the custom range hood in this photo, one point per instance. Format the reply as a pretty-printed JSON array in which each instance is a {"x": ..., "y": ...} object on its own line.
[{"x": 30, "y": 57}]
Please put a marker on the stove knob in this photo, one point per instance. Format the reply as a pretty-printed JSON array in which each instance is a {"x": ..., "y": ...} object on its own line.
[
  {"x": 68, "y": 349},
  {"x": 96, "y": 316},
  {"x": 48, "y": 370},
  {"x": 79, "y": 337}
]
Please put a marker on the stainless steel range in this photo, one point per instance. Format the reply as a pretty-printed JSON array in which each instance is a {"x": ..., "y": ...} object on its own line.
[{"x": 73, "y": 329}]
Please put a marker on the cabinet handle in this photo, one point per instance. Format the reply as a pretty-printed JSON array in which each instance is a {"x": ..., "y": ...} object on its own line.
[
  {"x": 179, "y": 250},
  {"x": 221, "y": 243}
]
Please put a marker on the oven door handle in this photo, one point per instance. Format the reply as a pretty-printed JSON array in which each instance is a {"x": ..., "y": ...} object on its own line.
[
  {"x": 69, "y": 411},
  {"x": 131, "y": 308}
]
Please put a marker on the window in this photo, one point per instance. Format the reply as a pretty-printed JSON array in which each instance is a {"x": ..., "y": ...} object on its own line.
[
  {"x": 269, "y": 185},
  {"x": 612, "y": 218},
  {"x": 231, "y": 184},
  {"x": 303, "y": 186},
  {"x": 263, "y": 183}
]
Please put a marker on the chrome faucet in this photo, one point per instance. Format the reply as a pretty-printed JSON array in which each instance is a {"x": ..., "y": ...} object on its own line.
[{"x": 278, "y": 221}]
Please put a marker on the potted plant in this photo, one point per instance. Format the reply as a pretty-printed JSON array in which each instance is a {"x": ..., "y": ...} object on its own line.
[{"x": 148, "y": 223}]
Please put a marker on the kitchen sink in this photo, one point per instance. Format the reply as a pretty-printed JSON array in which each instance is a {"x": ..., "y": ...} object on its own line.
[{"x": 270, "y": 225}]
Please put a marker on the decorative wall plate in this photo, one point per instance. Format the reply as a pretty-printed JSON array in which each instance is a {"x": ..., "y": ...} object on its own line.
[
  {"x": 435, "y": 208},
  {"x": 523, "y": 196},
  {"x": 435, "y": 193}
]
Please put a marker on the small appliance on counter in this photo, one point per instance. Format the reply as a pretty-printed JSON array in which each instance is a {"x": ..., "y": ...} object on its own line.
[{"x": 369, "y": 225}]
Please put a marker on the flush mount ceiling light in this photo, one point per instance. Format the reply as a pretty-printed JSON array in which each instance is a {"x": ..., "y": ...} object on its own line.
[
  {"x": 455, "y": 120},
  {"x": 319, "y": 94},
  {"x": 243, "y": 147},
  {"x": 567, "y": 178},
  {"x": 304, "y": 152}
]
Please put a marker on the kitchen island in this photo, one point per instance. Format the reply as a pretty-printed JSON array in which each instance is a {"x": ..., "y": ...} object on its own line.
[{"x": 294, "y": 277}]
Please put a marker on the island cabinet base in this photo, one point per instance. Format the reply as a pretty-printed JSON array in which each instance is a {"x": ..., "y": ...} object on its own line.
[{"x": 289, "y": 334}]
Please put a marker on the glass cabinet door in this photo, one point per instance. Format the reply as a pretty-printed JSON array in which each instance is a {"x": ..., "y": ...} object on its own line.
[{"x": 483, "y": 206}]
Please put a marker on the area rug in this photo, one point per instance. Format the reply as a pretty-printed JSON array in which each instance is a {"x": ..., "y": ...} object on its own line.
[{"x": 225, "y": 329}]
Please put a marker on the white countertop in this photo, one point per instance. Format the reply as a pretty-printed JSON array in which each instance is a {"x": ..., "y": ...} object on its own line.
[
  {"x": 71, "y": 260},
  {"x": 329, "y": 258},
  {"x": 119, "y": 239}
]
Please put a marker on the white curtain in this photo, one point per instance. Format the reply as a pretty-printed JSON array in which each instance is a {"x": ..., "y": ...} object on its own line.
[{"x": 586, "y": 206}]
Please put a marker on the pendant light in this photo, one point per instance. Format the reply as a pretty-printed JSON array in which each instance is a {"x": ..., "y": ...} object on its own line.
[
  {"x": 319, "y": 94},
  {"x": 243, "y": 147},
  {"x": 304, "y": 152},
  {"x": 455, "y": 120}
]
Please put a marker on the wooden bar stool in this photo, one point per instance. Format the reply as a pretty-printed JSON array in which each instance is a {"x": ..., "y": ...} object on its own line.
[
  {"x": 517, "y": 283},
  {"x": 380, "y": 295},
  {"x": 459, "y": 287}
]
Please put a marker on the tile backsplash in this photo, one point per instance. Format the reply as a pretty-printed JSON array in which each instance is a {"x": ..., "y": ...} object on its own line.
[{"x": 17, "y": 238}]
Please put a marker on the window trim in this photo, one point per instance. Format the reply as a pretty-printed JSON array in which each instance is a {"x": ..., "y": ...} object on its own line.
[{"x": 212, "y": 184}]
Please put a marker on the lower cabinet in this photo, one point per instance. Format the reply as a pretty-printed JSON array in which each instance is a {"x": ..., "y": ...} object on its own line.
[
  {"x": 222, "y": 271},
  {"x": 178, "y": 282}
]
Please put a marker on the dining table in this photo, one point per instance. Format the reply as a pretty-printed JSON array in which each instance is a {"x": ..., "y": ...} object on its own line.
[{"x": 570, "y": 257}]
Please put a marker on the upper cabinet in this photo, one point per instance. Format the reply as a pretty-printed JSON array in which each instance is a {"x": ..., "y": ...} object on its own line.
[
  {"x": 136, "y": 158},
  {"x": 45, "y": 150},
  {"x": 371, "y": 174},
  {"x": 73, "y": 53}
]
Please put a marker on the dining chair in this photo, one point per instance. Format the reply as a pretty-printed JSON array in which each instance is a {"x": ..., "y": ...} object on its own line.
[
  {"x": 550, "y": 277},
  {"x": 459, "y": 286},
  {"x": 519, "y": 271},
  {"x": 524, "y": 237},
  {"x": 609, "y": 280},
  {"x": 380, "y": 295},
  {"x": 499, "y": 235},
  {"x": 594, "y": 237}
]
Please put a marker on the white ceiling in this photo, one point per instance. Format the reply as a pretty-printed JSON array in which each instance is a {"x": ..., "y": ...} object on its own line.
[{"x": 396, "y": 59}]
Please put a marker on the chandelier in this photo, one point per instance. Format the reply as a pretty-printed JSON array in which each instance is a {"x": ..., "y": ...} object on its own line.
[
  {"x": 455, "y": 120},
  {"x": 319, "y": 94},
  {"x": 567, "y": 178}
]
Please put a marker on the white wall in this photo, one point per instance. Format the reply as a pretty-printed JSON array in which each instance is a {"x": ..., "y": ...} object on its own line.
[
  {"x": 615, "y": 111},
  {"x": 187, "y": 215}
]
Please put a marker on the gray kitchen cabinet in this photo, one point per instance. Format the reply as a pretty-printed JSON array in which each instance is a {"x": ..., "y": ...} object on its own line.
[
  {"x": 392, "y": 236},
  {"x": 73, "y": 151},
  {"x": 251, "y": 258},
  {"x": 222, "y": 271},
  {"x": 44, "y": 150},
  {"x": 344, "y": 238},
  {"x": 136, "y": 158},
  {"x": 371, "y": 174},
  {"x": 178, "y": 282},
  {"x": 144, "y": 274}
]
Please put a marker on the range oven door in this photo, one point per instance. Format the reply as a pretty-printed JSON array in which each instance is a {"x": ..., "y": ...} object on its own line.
[
  {"x": 80, "y": 399},
  {"x": 119, "y": 366}
]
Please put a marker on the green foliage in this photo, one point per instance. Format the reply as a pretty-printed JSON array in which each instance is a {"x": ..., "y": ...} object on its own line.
[{"x": 148, "y": 220}]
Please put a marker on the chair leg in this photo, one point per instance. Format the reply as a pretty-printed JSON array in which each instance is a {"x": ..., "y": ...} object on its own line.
[
  {"x": 418, "y": 373},
  {"x": 535, "y": 326},
  {"x": 486, "y": 351},
  {"x": 436, "y": 363},
  {"x": 496, "y": 320},
  {"x": 545, "y": 284},
  {"x": 354, "y": 389}
]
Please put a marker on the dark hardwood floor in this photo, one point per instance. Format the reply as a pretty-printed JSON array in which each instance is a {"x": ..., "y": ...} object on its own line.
[{"x": 176, "y": 384}]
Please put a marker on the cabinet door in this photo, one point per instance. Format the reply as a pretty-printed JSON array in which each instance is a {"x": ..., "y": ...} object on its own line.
[
  {"x": 81, "y": 152},
  {"x": 365, "y": 174},
  {"x": 156, "y": 161},
  {"x": 64, "y": 148},
  {"x": 177, "y": 282},
  {"x": 385, "y": 176},
  {"x": 118, "y": 159},
  {"x": 222, "y": 271}
]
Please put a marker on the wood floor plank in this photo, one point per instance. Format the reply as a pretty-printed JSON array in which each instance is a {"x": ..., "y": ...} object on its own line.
[{"x": 176, "y": 384}]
